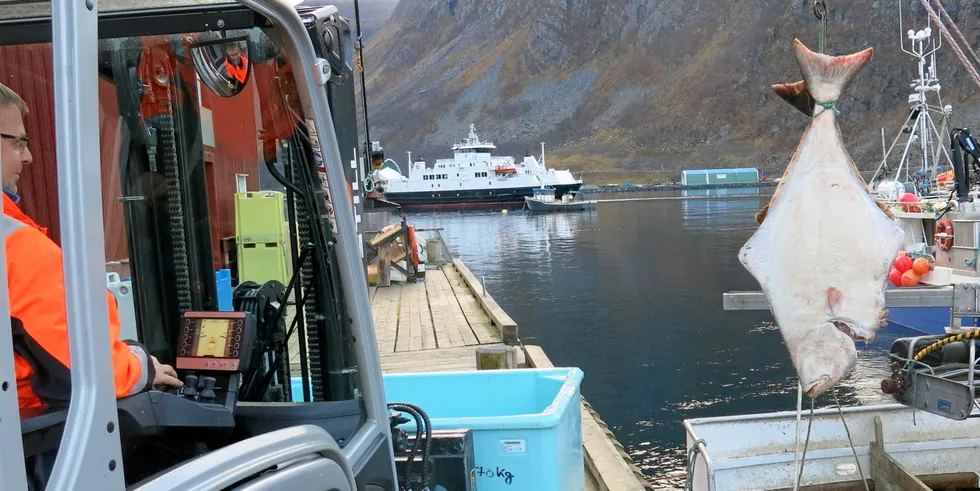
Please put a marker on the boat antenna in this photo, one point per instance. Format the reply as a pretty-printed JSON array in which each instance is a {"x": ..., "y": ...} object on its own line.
[
  {"x": 820, "y": 11},
  {"x": 358, "y": 49},
  {"x": 971, "y": 69}
]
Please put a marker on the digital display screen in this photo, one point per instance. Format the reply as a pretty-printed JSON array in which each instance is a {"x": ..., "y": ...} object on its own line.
[
  {"x": 212, "y": 338},
  {"x": 212, "y": 341}
]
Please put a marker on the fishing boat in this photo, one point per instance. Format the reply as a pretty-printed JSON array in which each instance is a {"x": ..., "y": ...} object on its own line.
[
  {"x": 926, "y": 439},
  {"x": 472, "y": 177},
  {"x": 545, "y": 200},
  {"x": 756, "y": 451},
  {"x": 919, "y": 185}
]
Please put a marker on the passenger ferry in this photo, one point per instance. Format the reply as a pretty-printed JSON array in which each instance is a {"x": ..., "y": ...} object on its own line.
[{"x": 472, "y": 177}]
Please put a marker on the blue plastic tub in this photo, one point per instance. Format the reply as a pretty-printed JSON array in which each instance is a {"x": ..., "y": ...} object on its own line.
[{"x": 527, "y": 424}]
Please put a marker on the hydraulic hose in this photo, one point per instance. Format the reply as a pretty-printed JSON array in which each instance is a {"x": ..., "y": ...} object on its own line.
[
  {"x": 413, "y": 409},
  {"x": 973, "y": 334}
]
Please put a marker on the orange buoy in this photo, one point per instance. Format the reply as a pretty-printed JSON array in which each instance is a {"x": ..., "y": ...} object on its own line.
[
  {"x": 921, "y": 266},
  {"x": 909, "y": 278}
]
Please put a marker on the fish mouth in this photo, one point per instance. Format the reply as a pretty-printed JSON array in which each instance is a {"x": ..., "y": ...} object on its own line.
[
  {"x": 844, "y": 326},
  {"x": 811, "y": 389}
]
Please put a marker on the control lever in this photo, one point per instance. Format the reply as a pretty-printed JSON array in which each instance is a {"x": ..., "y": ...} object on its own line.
[
  {"x": 190, "y": 387},
  {"x": 207, "y": 386}
]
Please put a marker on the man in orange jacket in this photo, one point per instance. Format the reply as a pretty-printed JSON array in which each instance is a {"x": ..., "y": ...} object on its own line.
[{"x": 36, "y": 288}]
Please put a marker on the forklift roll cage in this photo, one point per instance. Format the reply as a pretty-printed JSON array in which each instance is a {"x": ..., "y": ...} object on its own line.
[{"x": 90, "y": 455}]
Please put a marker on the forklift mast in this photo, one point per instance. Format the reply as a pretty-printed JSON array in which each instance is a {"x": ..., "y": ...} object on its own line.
[{"x": 309, "y": 130}]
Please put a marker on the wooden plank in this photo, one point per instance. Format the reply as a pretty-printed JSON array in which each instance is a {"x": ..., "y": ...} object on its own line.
[
  {"x": 477, "y": 318},
  {"x": 461, "y": 358},
  {"x": 377, "y": 239},
  {"x": 448, "y": 319},
  {"x": 401, "y": 325},
  {"x": 504, "y": 324},
  {"x": 886, "y": 472},
  {"x": 385, "y": 310},
  {"x": 416, "y": 317}
]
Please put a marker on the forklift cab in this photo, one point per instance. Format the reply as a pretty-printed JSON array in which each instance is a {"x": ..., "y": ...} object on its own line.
[{"x": 192, "y": 108}]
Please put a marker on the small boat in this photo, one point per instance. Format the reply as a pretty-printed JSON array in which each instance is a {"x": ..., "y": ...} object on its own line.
[{"x": 544, "y": 199}]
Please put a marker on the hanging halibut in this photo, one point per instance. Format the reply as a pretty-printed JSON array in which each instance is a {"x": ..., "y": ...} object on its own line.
[{"x": 824, "y": 245}]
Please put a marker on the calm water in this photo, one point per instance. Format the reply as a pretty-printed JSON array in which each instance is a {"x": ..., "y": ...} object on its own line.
[{"x": 632, "y": 294}]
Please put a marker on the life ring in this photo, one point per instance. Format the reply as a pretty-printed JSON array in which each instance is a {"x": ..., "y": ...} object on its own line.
[
  {"x": 414, "y": 246},
  {"x": 368, "y": 185},
  {"x": 944, "y": 235}
]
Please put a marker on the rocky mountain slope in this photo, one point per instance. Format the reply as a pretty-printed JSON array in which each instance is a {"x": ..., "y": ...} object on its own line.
[
  {"x": 622, "y": 88},
  {"x": 374, "y": 14}
]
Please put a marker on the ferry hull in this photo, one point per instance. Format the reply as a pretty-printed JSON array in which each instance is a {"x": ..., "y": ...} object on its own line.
[{"x": 469, "y": 198}]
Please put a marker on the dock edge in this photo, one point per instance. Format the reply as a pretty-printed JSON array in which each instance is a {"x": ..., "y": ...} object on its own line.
[
  {"x": 498, "y": 318},
  {"x": 605, "y": 458}
]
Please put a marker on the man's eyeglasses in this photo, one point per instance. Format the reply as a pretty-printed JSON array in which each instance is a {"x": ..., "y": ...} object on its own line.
[{"x": 20, "y": 141}]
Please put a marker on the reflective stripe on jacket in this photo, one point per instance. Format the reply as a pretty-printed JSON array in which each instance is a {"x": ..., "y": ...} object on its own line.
[{"x": 36, "y": 288}]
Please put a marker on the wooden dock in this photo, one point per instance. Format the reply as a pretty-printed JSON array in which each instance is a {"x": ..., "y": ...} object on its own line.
[
  {"x": 439, "y": 324},
  {"x": 441, "y": 316}
]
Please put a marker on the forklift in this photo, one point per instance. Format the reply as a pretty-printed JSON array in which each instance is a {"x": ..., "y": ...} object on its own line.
[{"x": 233, "y": 425}]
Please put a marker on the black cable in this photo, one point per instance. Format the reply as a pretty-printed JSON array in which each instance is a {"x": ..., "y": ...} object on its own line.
[
  {"x": 281, "y": 311},
  {"x": 360, "y": 54},
  {"x": 419, "y": 428},
  {"x": 274, "y": 366},
  {"x": 428, "y": 439},
  {"x": 247, "y": 305},
  {"x": 282, "y": 180}
]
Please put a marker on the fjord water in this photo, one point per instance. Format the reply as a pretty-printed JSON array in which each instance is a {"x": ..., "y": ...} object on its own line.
[{"x": 632, "y": 294}]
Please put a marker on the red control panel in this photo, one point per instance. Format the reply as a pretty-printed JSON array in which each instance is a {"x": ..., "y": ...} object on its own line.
[{"x": 214, "y": 341}]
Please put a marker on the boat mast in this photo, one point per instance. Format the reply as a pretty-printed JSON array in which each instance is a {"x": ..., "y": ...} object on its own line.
[{"x": 919, "y": 125}]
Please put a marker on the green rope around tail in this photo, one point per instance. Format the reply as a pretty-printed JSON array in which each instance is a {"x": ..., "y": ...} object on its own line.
[{"x": 827, "y": 105}]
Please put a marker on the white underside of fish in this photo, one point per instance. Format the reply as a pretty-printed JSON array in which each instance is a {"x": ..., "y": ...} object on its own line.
[{"x": 822, "y": 257}]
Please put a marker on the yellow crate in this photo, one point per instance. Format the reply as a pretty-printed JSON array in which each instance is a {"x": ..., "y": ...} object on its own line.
[
  {"x": 260, "y": 217},
  {"x": 264, "y": 261}
]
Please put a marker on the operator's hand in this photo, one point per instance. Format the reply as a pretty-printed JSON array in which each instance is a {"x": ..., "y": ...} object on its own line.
[{"x": 165, "y": 374}]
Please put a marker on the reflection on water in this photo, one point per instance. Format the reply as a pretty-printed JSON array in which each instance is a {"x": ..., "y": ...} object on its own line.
[{"x": 632, "y": 294}]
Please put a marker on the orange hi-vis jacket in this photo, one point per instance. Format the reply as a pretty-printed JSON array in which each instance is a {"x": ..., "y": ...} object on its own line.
[
  {"x": 237, "y": 72},
  {"x": 38, "y": 319}
]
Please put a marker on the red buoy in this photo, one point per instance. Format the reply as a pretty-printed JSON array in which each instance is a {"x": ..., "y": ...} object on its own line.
[
  {"x": 895, "y": 277},
  {"x": 902, "y": 263}
]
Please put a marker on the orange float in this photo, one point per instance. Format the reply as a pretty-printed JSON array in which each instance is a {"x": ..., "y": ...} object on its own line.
[
  {"x": 909, "y": 278},
  {"x": 921, "y": 266}
]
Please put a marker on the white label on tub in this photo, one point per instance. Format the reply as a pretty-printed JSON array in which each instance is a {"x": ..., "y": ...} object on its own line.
[
  {"x": 513, "y": 446},
  {"x": 846, "y": 469}
]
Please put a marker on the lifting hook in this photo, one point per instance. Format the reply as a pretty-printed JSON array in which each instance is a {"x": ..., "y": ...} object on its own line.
[{"x": 820, "y": 11}]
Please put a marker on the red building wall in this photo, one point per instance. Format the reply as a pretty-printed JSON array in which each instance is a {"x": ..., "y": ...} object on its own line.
[{"x": 27, "y": 69}]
